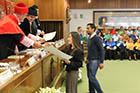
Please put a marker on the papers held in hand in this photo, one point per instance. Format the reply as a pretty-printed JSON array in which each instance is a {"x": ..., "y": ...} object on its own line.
[
  {"x": 49, "y": 36},
  {"x": 58, "y": 53}
]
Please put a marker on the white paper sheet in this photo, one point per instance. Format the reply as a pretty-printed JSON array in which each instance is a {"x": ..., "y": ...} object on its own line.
[
  {"x": 58, "y": 53},
  {"x": 5, "y": 76},
  {"x": 49, "y": 36}
]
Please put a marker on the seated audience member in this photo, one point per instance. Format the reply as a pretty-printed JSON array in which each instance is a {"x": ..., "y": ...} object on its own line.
[
  {"x": 138, "y": 31},
  {"x": 125, "y": 36},
  {"x": 101, "y": 35},
  {"x": 111, "y": 49},
  {"x": 134, "y": 36},
  {"x": 121, "y": 30},
  {"x": 121, "y": 47},
  {"x": 129, "y": 31},
  {"x": 105, "y": 30},
  {"x": 107, "y": 36},
  {"x": 98, "y": 30},
  {"x": 113, "y": 31},
  {"x": 137, "y": 48},
  {"x": 130, "y": 49},
  {"x": 116, "y": 36}
]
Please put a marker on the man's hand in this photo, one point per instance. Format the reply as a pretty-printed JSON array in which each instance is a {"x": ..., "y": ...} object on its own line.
[
  {"x": 66, "y": 61},
  {"x": 42, "y": 33},
  {"x": 42, "y": 40},
  {"x": 37, "y": 45},
  {"x": 101, "y": 65}
]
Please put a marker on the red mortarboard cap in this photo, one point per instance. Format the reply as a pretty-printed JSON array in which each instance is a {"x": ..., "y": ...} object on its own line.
[{"x": 20, "y": 8}]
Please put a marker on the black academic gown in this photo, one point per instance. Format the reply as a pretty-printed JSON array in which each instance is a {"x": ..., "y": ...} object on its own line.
[
  {"x": 25, "y": 26},
  {"x": 7, "y": 44},
  {"x": 37, "y": 22}
]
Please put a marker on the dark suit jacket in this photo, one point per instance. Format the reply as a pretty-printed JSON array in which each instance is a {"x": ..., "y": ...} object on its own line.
[
  {"x": 95, "y": 49},
  {"x": 25, "y": 26}
]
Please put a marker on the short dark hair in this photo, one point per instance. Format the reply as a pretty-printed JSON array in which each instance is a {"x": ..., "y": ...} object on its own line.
[
  {"x": 79, "y": 27},
  {"x": 92, "y": 25},
  {"x": 35, "y": 6}
]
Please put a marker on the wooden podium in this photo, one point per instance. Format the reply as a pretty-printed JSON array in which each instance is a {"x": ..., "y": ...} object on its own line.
[{"x": 41, "y": 74}]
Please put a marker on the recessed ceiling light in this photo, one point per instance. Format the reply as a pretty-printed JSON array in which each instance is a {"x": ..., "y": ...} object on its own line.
[{"x": 89, "y": 1}]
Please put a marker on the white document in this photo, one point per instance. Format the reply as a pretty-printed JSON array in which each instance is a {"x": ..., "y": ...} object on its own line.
[
  {"x": 49, "y": 36},
  {"x": 4, "y": 65},
  {"x": 58, "y": 53},
  {"x": 5, "y": 76},
  {"x": 31, "y": 61}
]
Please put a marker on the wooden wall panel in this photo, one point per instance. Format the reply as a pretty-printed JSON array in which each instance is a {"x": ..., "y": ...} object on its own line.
[
  {"x": 27, "y": 2},
  {"x": 51, "y": 10},
  {"x": 83, "y": 4},
  {"x": 131, "y": 4},
  {"x": 138, "y": 3}
]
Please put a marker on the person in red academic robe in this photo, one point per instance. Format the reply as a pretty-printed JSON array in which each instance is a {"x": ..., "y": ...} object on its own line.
[{"x": 11, "y": 34}]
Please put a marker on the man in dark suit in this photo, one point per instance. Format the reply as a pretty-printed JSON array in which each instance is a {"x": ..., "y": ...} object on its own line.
[
  {"x": 29, "y": 29},
  {"x": 95, "y": 58},
  {"x": 26, "y": 25}
]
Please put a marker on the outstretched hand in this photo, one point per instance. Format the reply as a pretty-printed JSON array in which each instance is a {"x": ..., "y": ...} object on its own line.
[{"x": 66, "y": 61}]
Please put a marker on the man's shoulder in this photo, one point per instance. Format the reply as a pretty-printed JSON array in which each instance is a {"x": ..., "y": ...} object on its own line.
[{"x": 96, "y": 37}]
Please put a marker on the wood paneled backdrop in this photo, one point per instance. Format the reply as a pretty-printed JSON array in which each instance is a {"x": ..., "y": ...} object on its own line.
[
  {"x": 51, "y": 10},
  {"x": 96, "y": 4}
]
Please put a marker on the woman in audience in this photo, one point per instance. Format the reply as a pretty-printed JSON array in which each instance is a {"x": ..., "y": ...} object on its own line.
[
  {"x": 137, "y": 47},
  {"x": 107, "y": 36},
  {"x": 125, "y": 36},
  {"x": 111, "y": 49},
  {"x": 130, "y": 49},
  {"x": 134, "y": 36}
]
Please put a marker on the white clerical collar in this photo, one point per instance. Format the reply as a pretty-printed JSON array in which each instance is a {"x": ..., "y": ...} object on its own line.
[{"x": 93, "y": 34}]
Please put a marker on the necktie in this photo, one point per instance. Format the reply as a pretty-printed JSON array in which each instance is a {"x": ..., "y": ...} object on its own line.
[{"x": 30, "y": 27}]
